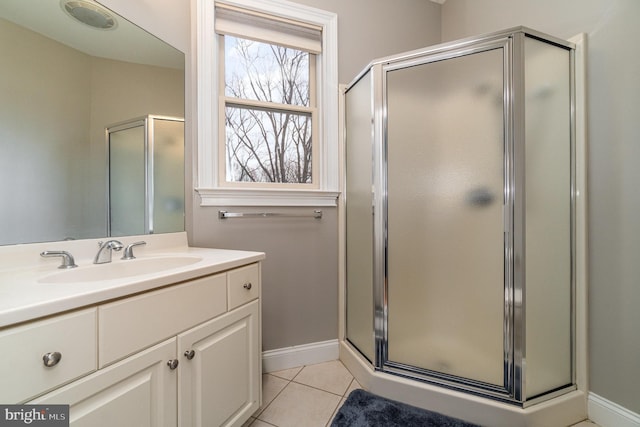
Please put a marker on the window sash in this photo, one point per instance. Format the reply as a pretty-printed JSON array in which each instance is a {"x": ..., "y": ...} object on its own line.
[
  {"x": 294, "y": 159},
  {"x": 313, "y": 86},
  {"x": 222, "y": 153},
  {"x": 311, "y": 70},
  {"x": 230, "y": 101}
]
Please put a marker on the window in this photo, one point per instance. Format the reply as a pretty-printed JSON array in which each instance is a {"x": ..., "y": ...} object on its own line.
[
  {"x": 273, "y": 88},
  {"x": 269, "y": 113}
]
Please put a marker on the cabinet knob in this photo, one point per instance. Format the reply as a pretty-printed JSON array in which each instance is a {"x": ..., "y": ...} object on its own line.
[
  {"x": 51, "y": 359},
  {"x": 189, "y": 354},
  {"x": 247, "y": 286},
  {"x": 172, "y": 364}
]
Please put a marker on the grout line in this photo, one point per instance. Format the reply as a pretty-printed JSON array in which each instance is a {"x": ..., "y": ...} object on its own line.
[
  {"x": 256, "y": 415},
  {"x": 299, "y": 372},
  {"x": 319, "y": 389},
  {"x": 262, "y": 421},
  {"x": 333, "y": 414}
]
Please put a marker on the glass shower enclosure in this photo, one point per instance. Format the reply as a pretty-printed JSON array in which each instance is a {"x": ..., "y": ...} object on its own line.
[
  {"x": 459, "y": 180},
  {"x": 146, "y": 176}
]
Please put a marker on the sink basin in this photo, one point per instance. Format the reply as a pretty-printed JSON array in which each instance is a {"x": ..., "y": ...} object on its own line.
[{"x": 120, "y": 269}]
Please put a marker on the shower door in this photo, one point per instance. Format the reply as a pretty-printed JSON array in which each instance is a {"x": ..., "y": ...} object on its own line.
[
  {"x": 127, "y": 179},
  {"x": 146, "y": 176},
  {"x": 445, "y": 214}
]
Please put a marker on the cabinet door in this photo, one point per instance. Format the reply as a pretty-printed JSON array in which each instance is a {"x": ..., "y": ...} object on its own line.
[
  {"x": 138, "y": 391},
  {"x": 221, "y": 384}
]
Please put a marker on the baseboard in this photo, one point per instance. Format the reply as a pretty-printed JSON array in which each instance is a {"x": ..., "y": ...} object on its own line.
[
  {"x": 299, "y": 355},
  {"x": 608, "y": 414}
]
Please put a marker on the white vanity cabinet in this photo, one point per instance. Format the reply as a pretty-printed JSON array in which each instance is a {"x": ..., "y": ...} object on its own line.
[
  {"x": 218, "y": 368},
  {"x": 138, "y": 391},
  {"x": 184, "y": 355}
]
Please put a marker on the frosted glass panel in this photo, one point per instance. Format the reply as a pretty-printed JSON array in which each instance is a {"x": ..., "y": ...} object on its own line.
[
  {"x": 445, "y": 219},
  {"x": 359, "y": 222},
  {"x": 127, "y": 181},
  {"x": 548, "y": 217},
  {"x": 168, "y": 176}
]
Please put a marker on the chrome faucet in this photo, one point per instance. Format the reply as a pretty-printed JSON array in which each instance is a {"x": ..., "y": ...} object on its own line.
[
  {"x": 67, "y": 258},
  {"x": 128, "y": 251},
  {"x": 104, "y": 253}
]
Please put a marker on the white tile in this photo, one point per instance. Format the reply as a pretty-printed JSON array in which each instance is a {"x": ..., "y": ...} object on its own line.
[
  {"x": 271, "y": 387},
  {"x": 336, "y": 411},
  {"x": 329, "y": 376},
  {"x": 287, "y": 374},
  {"x": 298, "y": 405},
  {"x": 353, "y": 386},
  {"x": 259, "y": 423},
  {"x": 248, "y": 422},
  {"x": 585, "y": 424}
]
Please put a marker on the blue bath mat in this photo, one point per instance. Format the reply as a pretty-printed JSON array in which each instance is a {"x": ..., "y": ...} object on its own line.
[{"x": 364, "y": 409}]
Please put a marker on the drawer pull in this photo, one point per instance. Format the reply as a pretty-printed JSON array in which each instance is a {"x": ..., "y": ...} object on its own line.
[
  {"x": 51, "y": 359},
  {"x": 173, "y": 364},
  {"x": 189, "y": 354},
  {"x": 247, "y": 286}
]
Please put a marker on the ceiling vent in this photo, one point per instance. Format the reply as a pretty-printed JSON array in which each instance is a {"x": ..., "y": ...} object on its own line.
[{"x": 89, "y": 13}]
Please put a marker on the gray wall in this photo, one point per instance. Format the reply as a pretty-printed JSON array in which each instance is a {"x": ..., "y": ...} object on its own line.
[
  {"x": 370, "y": 29},
  {"x": 613, "y": 69},
  {"x": 300, "y": 274}
]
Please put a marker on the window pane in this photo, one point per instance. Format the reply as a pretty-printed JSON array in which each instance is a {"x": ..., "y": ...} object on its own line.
[
  {"x": 267, "y": 146},
  {"x": 265, "y": 72}
]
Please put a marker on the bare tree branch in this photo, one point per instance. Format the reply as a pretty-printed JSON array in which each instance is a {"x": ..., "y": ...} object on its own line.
[{"x": 268, "y": 145}]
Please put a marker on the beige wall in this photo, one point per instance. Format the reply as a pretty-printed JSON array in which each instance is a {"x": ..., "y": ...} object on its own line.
[
  {"x": 614, "y": 153},
  {"x": 43, "y": 98},
  {"x": 169, "y": 20}
]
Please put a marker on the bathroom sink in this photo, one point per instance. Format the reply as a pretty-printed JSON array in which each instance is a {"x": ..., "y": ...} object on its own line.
[{"x": 120, "y": 269}]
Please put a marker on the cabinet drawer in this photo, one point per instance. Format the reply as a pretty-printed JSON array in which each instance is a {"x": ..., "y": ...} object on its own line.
[
  {"x": 23, "y": 347},
  {"x": 131, "y": 324},
  {"x": 244, "y": 285}
]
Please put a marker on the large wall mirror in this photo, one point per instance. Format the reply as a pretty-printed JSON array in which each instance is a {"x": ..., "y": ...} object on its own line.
[{"x": 63, "y": 84}]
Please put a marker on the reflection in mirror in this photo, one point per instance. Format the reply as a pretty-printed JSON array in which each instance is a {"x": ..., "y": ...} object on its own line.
[
  {"x": 146, "y": 156},
  {"x": 62, "y": 83}
]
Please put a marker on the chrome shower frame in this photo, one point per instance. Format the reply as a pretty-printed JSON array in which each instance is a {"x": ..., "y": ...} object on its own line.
[{"x": 513, "y": 390}]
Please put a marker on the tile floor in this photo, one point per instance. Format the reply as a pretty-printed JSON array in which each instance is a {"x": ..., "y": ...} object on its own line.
[{"x": 309, "y": 396}]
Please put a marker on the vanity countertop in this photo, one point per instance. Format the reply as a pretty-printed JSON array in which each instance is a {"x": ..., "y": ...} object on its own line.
[{"x": 26, "y": 291}]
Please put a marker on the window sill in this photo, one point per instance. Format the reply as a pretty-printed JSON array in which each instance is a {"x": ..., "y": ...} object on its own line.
[{"x": 236, "y": 197}]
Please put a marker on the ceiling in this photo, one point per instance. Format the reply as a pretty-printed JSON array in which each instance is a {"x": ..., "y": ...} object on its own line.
[{"x": 125, "y": 42}]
